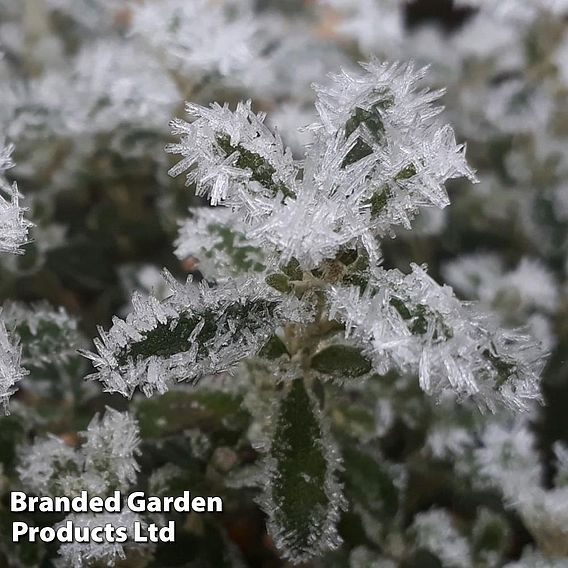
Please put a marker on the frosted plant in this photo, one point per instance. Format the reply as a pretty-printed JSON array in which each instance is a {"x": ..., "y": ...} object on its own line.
[
  {"x": 105, "y": 461},
  {"x": 106, "y": 458},
  {"x": 198, "y": 36},
  {"x": 49, "y": 336},
  {"x": 13, "y": 227},
  {"x": 417, "y": 326},
  {"x": 13, "y": 235},
  {"x": 509, "y": 459},
  {"x": 10, "y": 370},
  {"x": 196, "y": 331},
  {"x": 292, "y": 251},
  {"x": 377, "y": 26},
  {"x": 436, "y": 532},
  {"x": 80, "y": 554},
  {"x": 107, "y": 85}
]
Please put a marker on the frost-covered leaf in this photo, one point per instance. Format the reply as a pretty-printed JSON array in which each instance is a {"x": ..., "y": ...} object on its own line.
[
  {"x": 49, "y": 338},
  {"x": 13, "y": 227},
  {"x": 79, "y": 554},
  {"x": 10, "y": 370},
  {"x": 199, "y": 36},
  {"x": 410, "y": 323},
  {"x": 105, "y": 461},
  {"x": 234, "y": 158},
  {"x": 196, "y": 331},
  {"x": 302, "y": 497},
  {"x": 215, "y": 239}
]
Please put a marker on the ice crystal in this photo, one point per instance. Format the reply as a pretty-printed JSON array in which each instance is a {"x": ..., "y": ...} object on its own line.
[
  {"x": 13, "y": 226},
  {"x": 214, "y": 239},
  {"x": 79, "y": 554},
  {"x": 111, "y": 443},
  {"x": 302, "y": 496},
  {"x": 237, "y": 161},
  {"x": 105, "y": 461},
  {"x": 379, "y": 155},
  {"x": 10, "y": 370},
  {"x": 417, "y": 326},
  {"x": 196, "y": 331}
]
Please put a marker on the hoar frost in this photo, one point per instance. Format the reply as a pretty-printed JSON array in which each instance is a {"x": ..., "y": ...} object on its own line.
[{"x": 291, "y": 256}]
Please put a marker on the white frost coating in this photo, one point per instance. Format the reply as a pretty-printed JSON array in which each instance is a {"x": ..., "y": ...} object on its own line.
[
  {"x": 111, "y": 444},
  {"x": 445, "y": 341},
  {"x": 509, "y": 459},
  {"x": 436, "y": 532},
  {"x": 105, "y": 461},
  {"x": 41, "y": 464},
  {"x": 10, "y": 370},
  {"x": 13, "y": 226},
  {"x": 200, "y": 36},
  {"x": 80, "y": 554},
  {"x": 483, "y": 277},
  {"x": 52, "y": 336},
  {"x": 376, "y": 25},
  {"x": 108, "y": 84},
  {"x": 379, "y": 155},
  {"x": 215, "y": 238},
  {"x": 238, "y": 316},
  {"x": 214, "y": 169}
]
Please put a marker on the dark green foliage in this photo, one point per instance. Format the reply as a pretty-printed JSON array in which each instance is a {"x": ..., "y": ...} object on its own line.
[
  {"x": 371, "y": 119},
  {"x": 300, "y": 471},
  {"x": 369, "y": 483},
  {"x": 378, "y": 201},
  {"x": 172, "y": 337},
  {"x": 293, "y": 270},
  {"x": 342, "y": 361},
  {"x": 279, "y": 282},
  {"x": 273, "y": 348},
  {"x": 505, "y": 369}
]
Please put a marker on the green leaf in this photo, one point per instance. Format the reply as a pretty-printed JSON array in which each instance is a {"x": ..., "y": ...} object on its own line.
[
  {"x": 342, "y": 361},
  {"x": 273, "y": 349},
  {"x": 378, "y": 201},
  {"x": 172, "y": 336},
  {"x": 293, "y": 270},
  {"x": 373, "y": 122},
  {"x": 303, "y": 500},
  {"x": 279, "y": 282}
]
